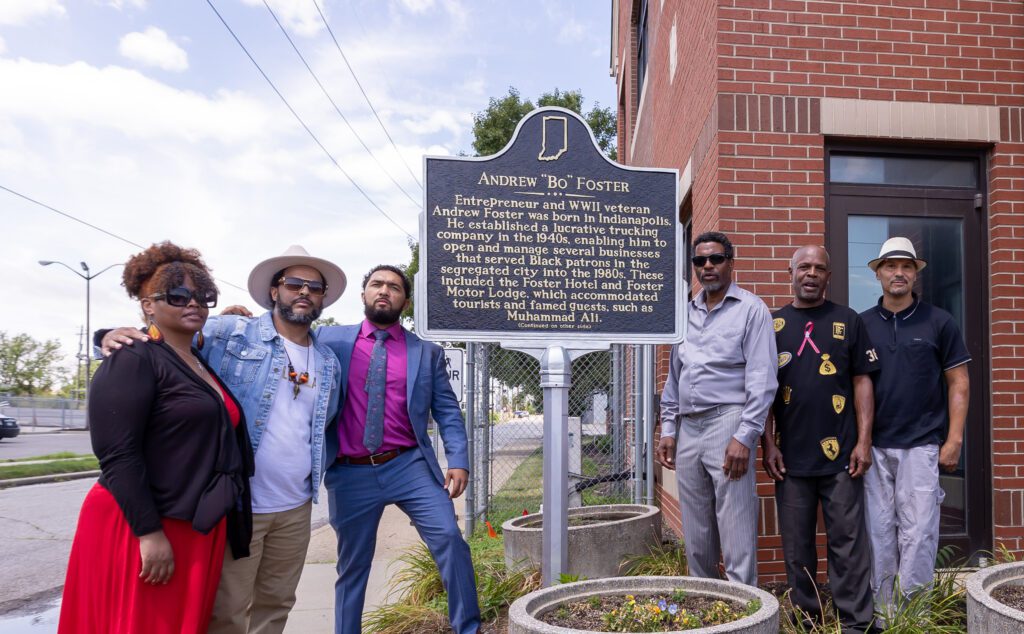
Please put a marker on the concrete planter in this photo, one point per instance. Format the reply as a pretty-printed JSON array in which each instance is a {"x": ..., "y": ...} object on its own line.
[
  {"x": 986, "y": 615},
  {"x": 600, "y": 537},
  {"x": 523, "y": 613}
]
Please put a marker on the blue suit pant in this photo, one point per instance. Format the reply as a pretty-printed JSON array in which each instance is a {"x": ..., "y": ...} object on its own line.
[{"x": 357, "y": 495}]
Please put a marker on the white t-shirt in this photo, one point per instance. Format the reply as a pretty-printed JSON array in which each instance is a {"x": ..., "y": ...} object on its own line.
[{"x": 284, "y": 459}]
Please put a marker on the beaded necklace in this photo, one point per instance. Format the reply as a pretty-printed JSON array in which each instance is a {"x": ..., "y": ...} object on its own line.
[{"x": 297, "y": 379}]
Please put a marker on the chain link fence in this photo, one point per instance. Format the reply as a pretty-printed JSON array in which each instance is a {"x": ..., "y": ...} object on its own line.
[
  {"x": 44, "y": 411},
  {"x": 505, "y": 406}
]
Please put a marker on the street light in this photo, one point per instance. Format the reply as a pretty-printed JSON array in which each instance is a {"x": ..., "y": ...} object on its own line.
[{"x": 88, "y": 333}]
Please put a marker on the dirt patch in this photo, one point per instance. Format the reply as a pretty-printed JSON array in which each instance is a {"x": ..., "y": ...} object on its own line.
[
  {"x": 1010, "y": 595},
  {"x": 589, "y": 614}
]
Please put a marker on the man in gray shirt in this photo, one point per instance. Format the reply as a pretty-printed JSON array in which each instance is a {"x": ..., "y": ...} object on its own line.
[{"x": 720, "y": 385}]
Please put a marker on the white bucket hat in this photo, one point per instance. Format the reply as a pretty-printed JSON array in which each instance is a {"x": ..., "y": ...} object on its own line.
[
  {"x": 897, "y": 249},
  {"x": 260, "y": 282}
]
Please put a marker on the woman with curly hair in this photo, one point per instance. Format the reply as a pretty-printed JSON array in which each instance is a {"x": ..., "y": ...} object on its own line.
[{"x": 175, "y": 460}]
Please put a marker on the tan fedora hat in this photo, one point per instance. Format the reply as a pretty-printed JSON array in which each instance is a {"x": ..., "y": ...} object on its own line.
[
  {"x": 260, "y": 282},
  {"x": 897, "y": 249}
]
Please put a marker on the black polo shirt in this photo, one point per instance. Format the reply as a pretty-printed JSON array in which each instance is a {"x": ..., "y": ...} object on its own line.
[
  {"x": 821, "y": 349},
  {"x": 916, "y": 346}
]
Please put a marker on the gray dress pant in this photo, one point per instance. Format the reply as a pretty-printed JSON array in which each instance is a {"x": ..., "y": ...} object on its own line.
[{"x": 719, "y": 515}]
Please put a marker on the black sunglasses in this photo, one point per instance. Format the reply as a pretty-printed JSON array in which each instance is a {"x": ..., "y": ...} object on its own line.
[
  {"x": 295, "y": 284},
  {"x": 181, "y": 296},
  {"x": 716, "y": 259}
]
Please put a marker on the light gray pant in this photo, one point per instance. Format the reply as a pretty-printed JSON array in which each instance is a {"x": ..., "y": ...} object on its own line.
[
  {"x": 903, "y": 500},
  {"x": 719, "y": 515}
]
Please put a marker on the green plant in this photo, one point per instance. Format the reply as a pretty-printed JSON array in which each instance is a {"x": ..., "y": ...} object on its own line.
[
  {"x": 420, "y": 604},
  {"x": 567, "y": 578},
  {"x": 937, "y": 609},
  {"x": 656, "y": 614},
  {"x": 667, "y": 559}
]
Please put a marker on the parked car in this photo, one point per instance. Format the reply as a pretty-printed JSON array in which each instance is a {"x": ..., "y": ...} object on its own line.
[{"x": 9, "y": 427}]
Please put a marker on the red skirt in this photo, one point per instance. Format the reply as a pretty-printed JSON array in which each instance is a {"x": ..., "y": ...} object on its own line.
[{"x": 103, "y": 593}]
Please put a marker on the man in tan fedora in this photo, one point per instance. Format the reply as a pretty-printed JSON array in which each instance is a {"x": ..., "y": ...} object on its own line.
[
  {"x": 288, "y": 385},
  {"x": 921, "y": 395}
]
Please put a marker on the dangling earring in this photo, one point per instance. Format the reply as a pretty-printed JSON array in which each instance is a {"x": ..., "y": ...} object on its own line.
[
  {"x": 200, "y": 340},
  {"x": 154, "y": 332}
]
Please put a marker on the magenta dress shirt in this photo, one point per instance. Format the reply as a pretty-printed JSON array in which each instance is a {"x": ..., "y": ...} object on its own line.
[{"x": 352, "y": 420}]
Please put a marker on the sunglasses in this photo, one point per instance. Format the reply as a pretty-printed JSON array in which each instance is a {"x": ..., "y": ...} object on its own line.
[
  {"x": 295, "y": 284},
  {"x": 181, "y": 296},
  {"x": 701, "y": 260}
]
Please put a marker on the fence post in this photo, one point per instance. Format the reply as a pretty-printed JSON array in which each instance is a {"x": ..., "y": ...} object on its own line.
[
  {"x": 485, "y": 436},
  {"x": 649, "y": 390},
  {"x": 470, "y": 522},
  {"x": 616, "y": 406},
  {"x": 638, "y": 428}
]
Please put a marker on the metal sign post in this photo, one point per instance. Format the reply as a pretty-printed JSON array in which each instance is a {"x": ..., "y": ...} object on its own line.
[{"x": 555, "y": 378}]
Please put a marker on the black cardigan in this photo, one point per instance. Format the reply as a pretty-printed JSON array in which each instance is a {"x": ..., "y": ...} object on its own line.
[{"x": 166, "y": 445}]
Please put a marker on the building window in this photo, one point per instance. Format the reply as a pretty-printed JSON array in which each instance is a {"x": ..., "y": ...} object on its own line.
[{"x": 643, "y": 44}]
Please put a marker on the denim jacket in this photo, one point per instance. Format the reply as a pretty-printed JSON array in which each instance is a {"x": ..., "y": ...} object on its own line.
[{"x": 247, "y": 354}]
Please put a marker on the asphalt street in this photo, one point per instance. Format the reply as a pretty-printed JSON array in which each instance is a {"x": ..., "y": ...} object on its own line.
[{"x": 27, "y": 445}]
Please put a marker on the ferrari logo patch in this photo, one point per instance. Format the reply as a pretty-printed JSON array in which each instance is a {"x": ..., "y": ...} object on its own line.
[
  {"x": 784, "y": 358},
  {"x": 838, "y": 330},
  {"x": 787, "y": 392},
  {"x": 779, "y": 323},
  {"x": 827, "y": 367},
  {"x": 838, "y": 403},
  {"x": 830, "y": 446}
]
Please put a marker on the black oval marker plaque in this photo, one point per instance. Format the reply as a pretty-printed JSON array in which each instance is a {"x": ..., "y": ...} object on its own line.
[{"x": 549, "y": 239}]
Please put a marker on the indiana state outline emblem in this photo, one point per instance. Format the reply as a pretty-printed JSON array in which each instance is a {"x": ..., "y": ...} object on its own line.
[{"x": 830, "y": 446}]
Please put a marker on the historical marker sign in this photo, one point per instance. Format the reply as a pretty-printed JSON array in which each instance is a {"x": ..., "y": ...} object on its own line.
[{"x": 549, "y": 239}]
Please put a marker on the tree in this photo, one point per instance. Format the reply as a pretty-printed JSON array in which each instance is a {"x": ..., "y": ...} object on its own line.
[
  {"x": 29, "y": 367},
  {"x": 493, "y": 127}
]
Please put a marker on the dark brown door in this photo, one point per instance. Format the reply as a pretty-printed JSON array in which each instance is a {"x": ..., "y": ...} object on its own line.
[{"x": 935, "y": 200}]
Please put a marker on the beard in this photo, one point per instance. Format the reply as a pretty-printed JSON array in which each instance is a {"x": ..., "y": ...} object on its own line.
[
  {"x": 382, "y": 315},
  {"x": 291, "y": 316}
]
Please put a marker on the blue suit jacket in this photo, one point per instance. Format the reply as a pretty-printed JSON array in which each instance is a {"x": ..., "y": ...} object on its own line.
[{"x": 427, "y": 392}]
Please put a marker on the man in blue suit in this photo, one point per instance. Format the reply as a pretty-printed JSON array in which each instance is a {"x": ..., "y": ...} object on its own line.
[{"x": 392, "y": 381}]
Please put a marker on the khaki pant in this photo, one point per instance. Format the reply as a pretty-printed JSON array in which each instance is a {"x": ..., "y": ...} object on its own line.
[{"x": 257, "y": 593}]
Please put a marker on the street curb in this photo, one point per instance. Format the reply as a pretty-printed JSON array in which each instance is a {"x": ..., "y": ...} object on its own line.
[{"x": 45, "y": 479}]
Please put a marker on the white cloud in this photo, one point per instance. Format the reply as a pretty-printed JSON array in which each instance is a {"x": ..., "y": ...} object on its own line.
[
  {"x": 153, "y": 48},
  {"x": 3, "y": 46},
  {"x": 129, "y": 102},
  {"x": 298, "y": 16},
  {"x": 18, "y": 12},
  {"x": 121, "y": 4},
  {"x": 418, "y": 6},
  {"x": 571, "y": 32}
]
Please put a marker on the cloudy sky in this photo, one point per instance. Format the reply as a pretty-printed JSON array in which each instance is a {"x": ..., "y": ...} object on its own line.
[{"x": 146, "y": 119}]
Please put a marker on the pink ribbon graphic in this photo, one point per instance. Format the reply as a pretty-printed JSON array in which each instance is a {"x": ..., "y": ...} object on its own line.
[{"x": 808, "y": 329}]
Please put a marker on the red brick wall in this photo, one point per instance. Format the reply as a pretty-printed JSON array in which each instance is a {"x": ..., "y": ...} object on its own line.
[{"x": 744, "y": 104}]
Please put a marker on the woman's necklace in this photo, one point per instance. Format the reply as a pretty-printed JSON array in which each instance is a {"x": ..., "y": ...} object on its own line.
[
  {"x": 293, "y": 376},
  {"x": 190, "y": 359}
]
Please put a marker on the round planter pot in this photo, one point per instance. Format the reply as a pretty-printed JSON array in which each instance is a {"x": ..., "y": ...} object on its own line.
[
  {"x": 600, "y": 537},
  {"x": 523, "y": 613},
  {"x": 986, "y": 615}
]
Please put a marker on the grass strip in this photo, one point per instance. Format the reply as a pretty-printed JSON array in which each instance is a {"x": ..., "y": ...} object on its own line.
[
  {"x": 60, "y": 455},
  {"x": 48, "y": 468}
]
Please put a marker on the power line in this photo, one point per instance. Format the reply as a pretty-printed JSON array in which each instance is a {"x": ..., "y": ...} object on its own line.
[
  {"x": 365, "y": 96},
  {"x": 336, "y": 108},
  {"x": 92, "y": 226},
  {"x": 303, "y": 123}
]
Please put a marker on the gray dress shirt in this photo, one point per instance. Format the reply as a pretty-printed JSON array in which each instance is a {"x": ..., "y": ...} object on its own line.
[{"x": 727, "y": 358}]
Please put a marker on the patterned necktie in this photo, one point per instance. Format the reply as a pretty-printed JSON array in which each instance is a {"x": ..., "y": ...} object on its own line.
[{"x": 376, "y": 380}]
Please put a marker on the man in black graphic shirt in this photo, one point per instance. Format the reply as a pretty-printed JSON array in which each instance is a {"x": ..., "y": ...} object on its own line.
[{"x": 819, "y": 444}]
